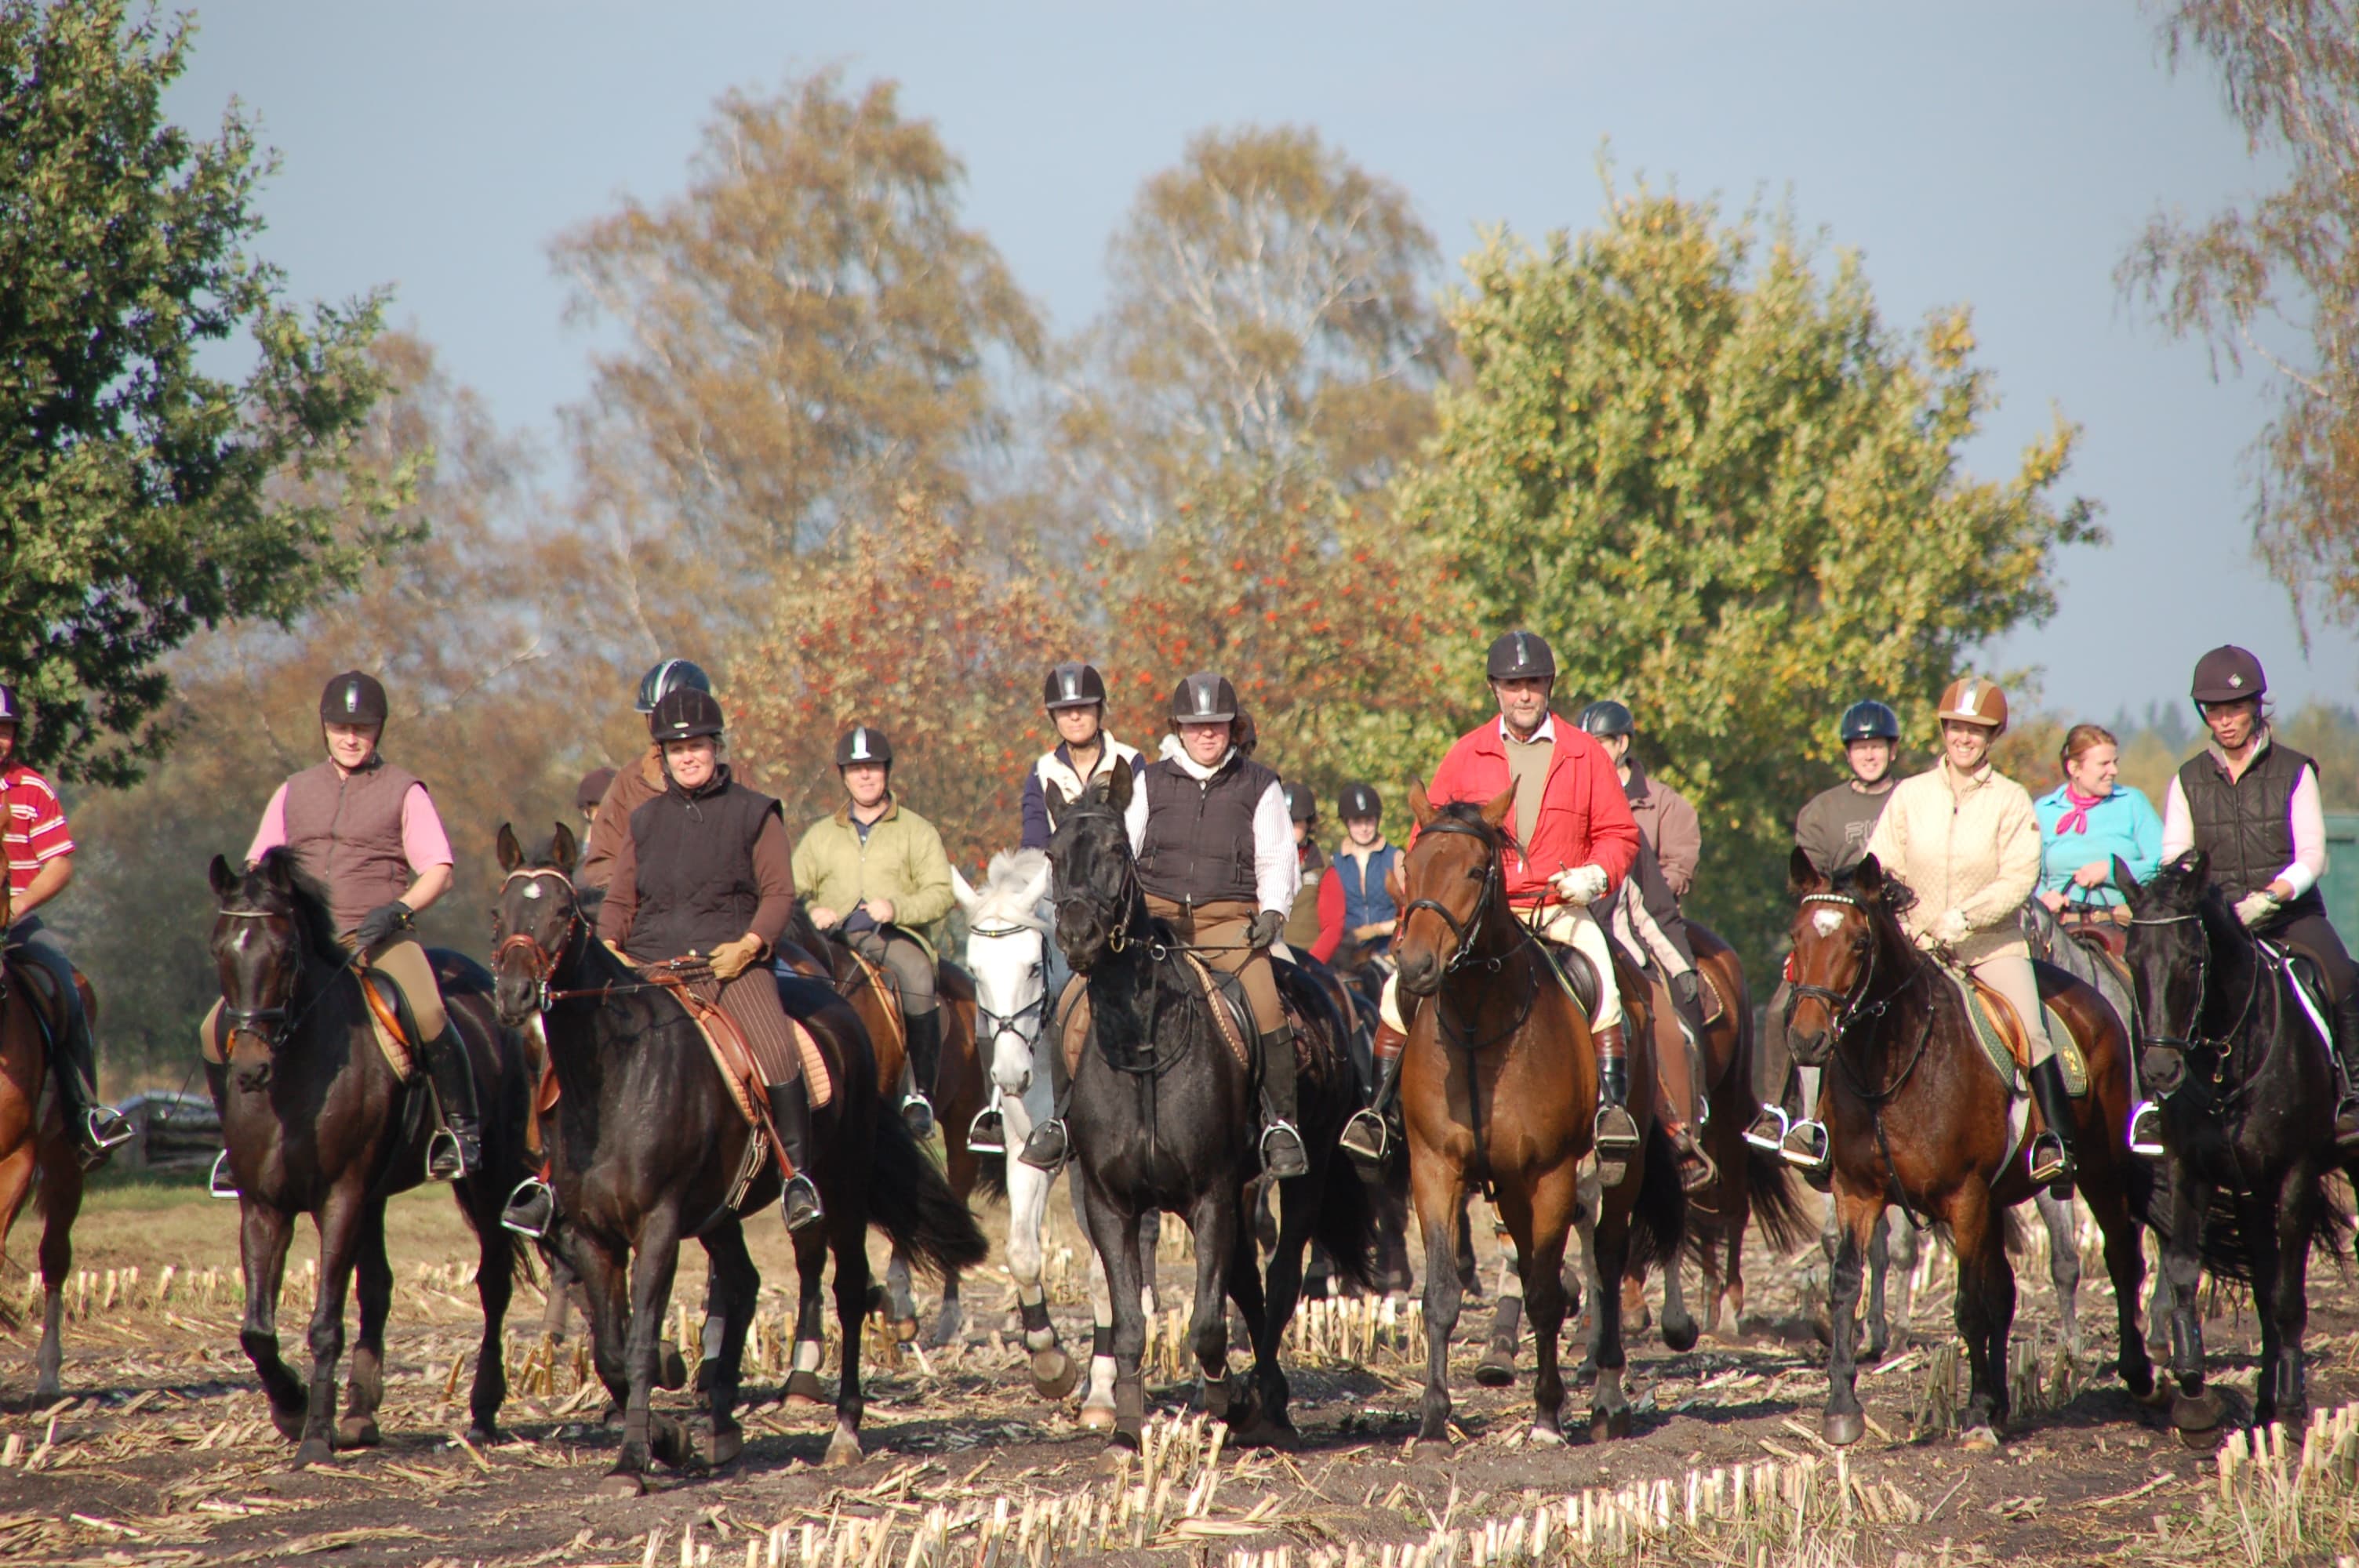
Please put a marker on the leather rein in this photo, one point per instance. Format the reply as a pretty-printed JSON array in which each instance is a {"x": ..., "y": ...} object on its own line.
[
  {"x": 541, "y": 963},
  {"x": 1462, "y": 956}
]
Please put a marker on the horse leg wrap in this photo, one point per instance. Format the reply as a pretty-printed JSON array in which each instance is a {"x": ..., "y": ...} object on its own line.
[
  {"x": 811, "y": 1320},
  {"x": 1037, "y": 1333},
  {"x": 1101, "y": 1340},
  {"x": 2187, "y": 1349}
]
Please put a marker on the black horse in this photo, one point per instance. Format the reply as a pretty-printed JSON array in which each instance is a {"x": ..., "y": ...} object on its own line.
[
  {"x": 646, "y": 1148},
  {"x": 317, "y": 1123},
  {"x": 2247, "y": 1092},
  {"x": 1162, "y": 1118}
]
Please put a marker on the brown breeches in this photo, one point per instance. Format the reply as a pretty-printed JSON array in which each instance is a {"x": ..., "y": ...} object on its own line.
[
  {"x": 751, "y": 1001},
  {"x": 1222, "y": 927}
]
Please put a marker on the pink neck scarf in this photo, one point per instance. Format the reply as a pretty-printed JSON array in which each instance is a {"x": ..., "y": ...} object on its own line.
[{"x": 2077, "y": 820}]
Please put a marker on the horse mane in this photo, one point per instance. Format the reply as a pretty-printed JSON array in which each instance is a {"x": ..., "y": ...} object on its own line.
[
  {"x": 1896, "y": 897},
  {"x": 306, "y": 901},
  {"x": 1000, "y": 899},
  {"x": 1471, "y": 812}
]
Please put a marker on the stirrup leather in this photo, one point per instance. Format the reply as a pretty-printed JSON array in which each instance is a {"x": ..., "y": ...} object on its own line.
[
  {"x": 1759, "y": 1136},
  {"x": 218, "y": 1183},
  {"x": 2149, "y": 1142}
]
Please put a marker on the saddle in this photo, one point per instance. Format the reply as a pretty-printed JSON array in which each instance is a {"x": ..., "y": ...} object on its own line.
[
  {"x": 390, "y": 1022},
  {"x": 49, "y": 1003},
  {"x": 881, "y": 984},
  {"x": 735, "y": 1058},
  {"x": 2000, "y": 1033},
  {"x": 2312, "y": 985},
  {"x": 1225, "y": 998}
]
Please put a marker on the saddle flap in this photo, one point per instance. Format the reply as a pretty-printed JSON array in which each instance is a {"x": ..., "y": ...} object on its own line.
[
  {"x": 1224, "y": 997},
  {"x": 390, "y": 1021},
  {"x": 730, "y": 1052},
  {"x": 1576, "y": 973},
  {"x": 41, "y": 986},
  {"x": 2001, "y": 1034}
]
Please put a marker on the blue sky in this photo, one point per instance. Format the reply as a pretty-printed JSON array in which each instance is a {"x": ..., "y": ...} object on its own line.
[{"x": 2000, "y": 155}]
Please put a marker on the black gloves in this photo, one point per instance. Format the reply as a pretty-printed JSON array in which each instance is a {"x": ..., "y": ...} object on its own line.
[
  {"x": 382, "y": 924},
  {"x": 1267, "y": 925}
]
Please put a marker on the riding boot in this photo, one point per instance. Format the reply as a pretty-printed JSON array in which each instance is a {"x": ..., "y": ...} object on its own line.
[
  {"x": 1806, "y": 1146},
  {"x": 97, "y": 1127},
  {"x": 219, "y": 1182},
  {"x": 1616, "y": 1134},
  {"x": 531, "y": 1208},
  {"x": 2051, "y": 1152},
  {"x": 457, "y": 1147},
  {"x": 791, "y": 1114},
  {"x": 1367, "y": 1136},
  {"x": 1044, "y": 1148},
  {"x": 2346, "y": 1055},
  {"x": 1282, "y": 1153},
  {"x": 925, "y": 1062},
  {"x": 1677, "y": 1110}
]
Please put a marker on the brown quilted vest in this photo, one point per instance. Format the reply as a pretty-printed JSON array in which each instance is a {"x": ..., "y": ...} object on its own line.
[{"x": 346, "y": 834}]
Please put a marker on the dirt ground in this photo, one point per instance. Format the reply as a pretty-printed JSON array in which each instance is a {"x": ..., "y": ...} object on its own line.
[{"x": 162, "y": 1453}]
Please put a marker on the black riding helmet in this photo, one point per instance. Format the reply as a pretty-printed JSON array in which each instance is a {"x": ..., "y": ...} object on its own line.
[
  {"x": 1203, "y": 698},
  {"x": 2228, "y": 674},
  {"x": 1868, "y": 721},
  {"x": 683, "y": 713},
  {"x": 1606, "y": 718},
  {"x": 1358, "y": 800},
  {"x": 667, "y": 676},
  {"x": 12, "y": 707},
  {"x": 864, "y": 744},
  {"x": 352, "y": 698},
  {"x": 1301, "y": 806},
  {"x": 592, "y": 788},
  {"x": 1520, "y": 656},
  {"x": 1071, "y": 685}
]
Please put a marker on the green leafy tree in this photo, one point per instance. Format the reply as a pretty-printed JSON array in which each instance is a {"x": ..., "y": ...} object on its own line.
[
  {"x": 142, "y": 499},
  {"x": 1707, "y": 472}
]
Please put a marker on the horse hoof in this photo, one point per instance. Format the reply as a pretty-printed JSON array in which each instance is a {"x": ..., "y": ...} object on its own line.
[
  {"x": 1679, "y": 1333},
  {"x": 946, "y": 1328},
  {"x": 1261, "y": 1432},
  {"x": 843, "y": 1449},
  {"x": 904, "y": 1330},
  {"x": 358, "y": 1431},
  {"x": 315, "y": 1450},
  {"x": 1842, "y": 1429},
  {"x": 1609, "y": 1426},
  {"x": 1978, "y": 1440},
  {"x": 721, "y": 1447},
  {"x": 2200, "y": 1413},
  {"x": 289, "y": 1422},
  {"x": 623, "y": 1484},
  {"x": 1544, "y": 1437},
  {"x": 672, "y": 1368},
  {"x": 1097, "y": 1417},
  {"x": 481, "y": 1434},
  {"x": 1054, "y": 1373},
  {"x": 1498, "y": 1368},
  {"x": 804, "y": 1390},
  {"x": 668, "y": 1441}
]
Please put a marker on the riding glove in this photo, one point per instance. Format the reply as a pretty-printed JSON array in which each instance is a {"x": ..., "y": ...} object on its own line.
[
  {"x": 1684, "y": 986},
  {"x": 1581, "y": 885},
  {"x": 1267, "y": 925},
  {"x": 382, "y": 924},
  {"x": 2255, "y": 908},
  {"x": 1953, "y": 928},
  {"x": 732, "y": 960}
]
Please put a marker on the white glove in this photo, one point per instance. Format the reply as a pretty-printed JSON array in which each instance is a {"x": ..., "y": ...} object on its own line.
[
  {"x": 1581, "y": 885},
  {"x": 1952, "y": 929},
  {"x": 2256, "y": 907}
]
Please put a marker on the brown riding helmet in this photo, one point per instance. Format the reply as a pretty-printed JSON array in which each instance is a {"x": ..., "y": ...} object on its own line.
[
  {"x": 2228, "y": 674},
  {"x": 1971, "y": 699}
]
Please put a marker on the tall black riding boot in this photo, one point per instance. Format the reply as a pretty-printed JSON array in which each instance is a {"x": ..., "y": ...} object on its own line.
[
  {"x": 790, "y": 1111},
  {"x": 1045, "y": 1148},
  {"x": 457, "y": 1148},
  {"x": 1617, "y": 1130},
  {"x": 1282, "y": 1153},
  {"x": 97, "y": 1126},
  {"x": 2052, "y": 1163},
  {"x": 2346, "y": 1052},
  {"x": 220, "y": 1183},
  {"x": 924, "y": 1064},
  {"x": 1368, "y": 1135}
]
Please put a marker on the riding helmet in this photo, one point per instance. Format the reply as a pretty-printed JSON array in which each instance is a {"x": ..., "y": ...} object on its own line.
[
  {"x": 2228, "y": 674},
  {"x": 683, "y": 713},
  {"x": 667, "y": 676},
  {"x": 1358, "y": 800},
  {"x": 1301, "y": 806},
  {"x": 352, "y": 698},
  {"x": 592, "y": 788},
  {"x": 1606, "y": 718},
  {"x": 12, "y": 708},
  {"x": 1203, "y": 698},
  {"x": 1520, "y": 656},
  {"x": 864, "y": 744},
  {"x": 1868, "y": 719},
  {"x": 1970, "y": 699},
  {"x": 1071, "y": 685}
]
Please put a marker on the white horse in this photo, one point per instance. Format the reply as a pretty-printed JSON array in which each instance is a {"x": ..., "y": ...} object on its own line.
[{"x": 1018, "y": 975}]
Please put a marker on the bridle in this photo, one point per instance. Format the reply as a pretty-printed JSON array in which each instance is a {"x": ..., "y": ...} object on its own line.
[
  {"x": 281, "y": 1018},
  {"x": 1464, "y": 932},
  {"x": 1127, "y": 897},
  {"x": 2222, "y": 1045},
  {"x": 999, "y": 1023},
  {"x": 1846, "y": 1007},
  {"x": 541, "y": 963}
]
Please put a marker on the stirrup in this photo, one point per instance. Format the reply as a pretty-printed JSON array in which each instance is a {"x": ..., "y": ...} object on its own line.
[
  {"x": 1287, "y": 1157},
  {"x": 918, "y": 1115},
  {"x": 1048, "y": 1146},
  {"x": 445, "y": 1162},
  {"x": 102, "y": 1130},
  {"x": 218, "y": 1184},
  {"x": 531, "y": 1208},
  {"x": 2145, "y": 1130},
  {"x": 1812, "y": 1153},
  {"x": 1616, "y": 1132},
  {"x": 2050, "y": 1163},
  {"x": 1361, "y": 1144},
  {"x": 988, "y": 1133},
  {"x": 1770, "y": 1127},
  {"x": 808, "y": 1211},
  {"x": 1697, "y": 1172}
]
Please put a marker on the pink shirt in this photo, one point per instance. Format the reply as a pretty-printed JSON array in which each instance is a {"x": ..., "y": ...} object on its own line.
[{"x": 423, "y": 842}]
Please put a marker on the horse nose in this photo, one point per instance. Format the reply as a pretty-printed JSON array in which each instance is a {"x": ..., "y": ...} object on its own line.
[{"x": 1417, "y": 971}]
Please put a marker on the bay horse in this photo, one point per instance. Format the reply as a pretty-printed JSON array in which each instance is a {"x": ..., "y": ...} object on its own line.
[
  {"x": 317, "y": 1123},
  {"x": 1499, "y": 1090},
  {"x": 1918, "y": 1117},
  {"x": 646, "y": 1148},
  {"x": 2247, "y": 1092},
  {"x": 37, "y": 1154},
  {"x": 1163, "y": 1116}
]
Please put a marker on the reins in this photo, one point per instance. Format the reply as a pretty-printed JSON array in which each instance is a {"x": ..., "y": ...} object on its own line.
[
  {"x": 1845, "y": 1009},
  {"x": 2221, "y": 1047}
]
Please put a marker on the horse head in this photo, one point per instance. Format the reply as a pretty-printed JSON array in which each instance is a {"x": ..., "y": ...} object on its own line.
[
  {"x": 1006, "y": 952},
  {"x": 1450, "y": 874},
  {"x": 1099, "y": 904},
  {"x": 269, "y": 922},
  {"x": 1841, "y": 927},
  {"x": 535, "y": 922},
  {"x": 2169, "y": 955}
]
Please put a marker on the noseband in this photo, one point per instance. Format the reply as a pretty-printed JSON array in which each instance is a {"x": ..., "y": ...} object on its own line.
[
  {"x": 999, "y": 1023},
  {"x": 1462, "y": 933},
  {"x": 541, "y": 963}
]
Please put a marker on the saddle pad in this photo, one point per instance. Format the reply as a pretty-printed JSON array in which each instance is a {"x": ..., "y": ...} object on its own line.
[
  {"x": 383, "y": 1001},
  {"x": 1717, "y": 1008},
  {"x": 2000, "y": 1035},
  {"x": 1227, "y": 1014}
]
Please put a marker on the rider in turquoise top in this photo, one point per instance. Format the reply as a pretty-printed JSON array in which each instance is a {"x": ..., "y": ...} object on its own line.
[{"x": 2087, "y": 821}]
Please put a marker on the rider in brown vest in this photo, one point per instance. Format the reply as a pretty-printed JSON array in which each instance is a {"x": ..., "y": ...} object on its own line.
[
  {"x": 704, "y": 869},
  {"x": 2252, "y": 805}
]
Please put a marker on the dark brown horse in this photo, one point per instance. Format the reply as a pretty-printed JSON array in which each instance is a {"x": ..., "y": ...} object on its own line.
[
  {"x": 317, "y": 1123},
  {"x": 1498, "y": 1088},
  {"x": 1918, "y": 1117},
  {"x": 35, "y": 1141}
]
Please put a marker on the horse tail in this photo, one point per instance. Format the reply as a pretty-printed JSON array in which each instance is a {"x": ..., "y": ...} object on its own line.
[
  {"x": 910, "y": 1200},
  {"x": 1659, "y": 1220},
  {"x": 1347, "y": 1229},
  {"x": 990, "y": 1176}
]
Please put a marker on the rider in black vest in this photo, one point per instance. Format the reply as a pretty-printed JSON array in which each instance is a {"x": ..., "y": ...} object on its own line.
[{"x": 2252, "y": 805}]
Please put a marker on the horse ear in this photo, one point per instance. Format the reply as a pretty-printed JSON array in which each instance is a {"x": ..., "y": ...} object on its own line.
[
  {"x": 2194, "y": 863},
  {"x": 1420, "y": 806},
  {"x": 224, "y": 880},
  {"x": 1496, "y": 810},
  {"x": 1802, "y": 875},
  {"x": 564, "y": 848},
  {"x": 1037, "y": 888},
  {"x": 963, "y": 891},
  {"x": 2125, "y": 879},
  {"x": 511, "y": 853},
  {"x": 1118, "y": 786},
  {"x": 1869, "y": 875},
  {"x": 275, "y": 868}
]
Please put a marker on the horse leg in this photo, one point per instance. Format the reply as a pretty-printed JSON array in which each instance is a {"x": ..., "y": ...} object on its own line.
[
  {"x": 373, "y": 1283},
  {"x": 2196, "y": 1410},
  {"x": 803, "y": 1388},
  {"x": 1054, "y": 1372},
  {"x": 1679, "y": 1329},
  {"x": 1547, "y": 1220},
  {"x": 650, "y": 1294},
  {"x": 900, "y": 1299},
  {"x": 1860, "y": 1224},
  {"x": 847, "y": 1236},
  {"x": 263, "y": 1236},
  {"x": 1219, "y": 1255},
  {"x": 2125, "y": 1266},
  {"x": 1268, "y": 1308},
  {"x": 1497, "y": 1368},
  {"x": 738, "y": 1288},
  {"x": 1985, "y": 1313},
  {"x": 1115, "y": 1234},
  {"x": 1097, "y": 1403},
  {"x": 340, "y": 1221},
  {"x": 2299, "y": 1196},
  {"x": 1879, "y": 1272},
  {"x": 604, "y": 1290},
  {"x": 1609, "y": 1406},
  {"x": 61, "y": 1201},
  {"x": 2063, "y": 1265},
  {"x": 494, "y": 1288},
  {"x": 951, "y": 1320}
]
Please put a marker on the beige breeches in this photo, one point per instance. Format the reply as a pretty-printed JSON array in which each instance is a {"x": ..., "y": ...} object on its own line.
[
  {"x": 2009, "y": 974},
  {"x": 1560, "y": 923}
]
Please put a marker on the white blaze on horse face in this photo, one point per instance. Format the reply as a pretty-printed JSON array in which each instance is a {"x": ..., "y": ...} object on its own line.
[
  {"x": 1825, "y": 920},
  {"x": 1008, "y": 979}
]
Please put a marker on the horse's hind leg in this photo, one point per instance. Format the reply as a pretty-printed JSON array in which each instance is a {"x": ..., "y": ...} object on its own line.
[
  {"x": 900, "y": 1299},
  {"x": 1985, "y": 1313},
  {"x": 1862, "y": 1219},
  {"x": 1097, "y": 1403},
  {"x": 1441, "y": 1193},
  {"x": 373, "y": 1283},
  {"x": 1219, "y": 1254},
  {"x": 61, "y": 1201},
  {"x": 2125, "y": 1266},
  {"x": 651, "y": 1280},
  {"x": 1609, "y": 1406},
  {"x": 263, "y": 1236},
  {"x": 847, "y": 1234},
  {"x": 2283, "y": 1306},
  {"x": 804, "y": 1387},
  {"x": 2063, "y": 1265},
  {"x": 1679, "y": 1323},
  {"x": 2196, "y": 1410},
  {"x": 340, "y": 1222},
  {"x": 494, "y": 1286},
  {"x": 737, "y": 1286},
  {"x": 1298, "y": 1203},
  {"x": 1879, "y": 1272},
  {"x": 1547, "y": 1221},
  {"x": 1497, "y": 1368}
]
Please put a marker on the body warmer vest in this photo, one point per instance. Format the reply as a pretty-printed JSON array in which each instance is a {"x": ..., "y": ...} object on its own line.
[
  {"x": 1199, "y": 844},
  {"x": 2245, "y": 828},
  {"x": 696, "y": 881},
  {"x": 345, "y": 832}
]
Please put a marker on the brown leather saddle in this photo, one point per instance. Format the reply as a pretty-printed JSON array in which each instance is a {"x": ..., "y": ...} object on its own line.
[
  {"x": 1225, "y": 998},
  {"x": 39, "y": 987}
]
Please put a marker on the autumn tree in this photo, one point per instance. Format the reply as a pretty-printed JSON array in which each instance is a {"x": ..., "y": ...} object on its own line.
[
  {"x": 1697, "y": 461},
  {"x": 2277, "y": 282},
  {"x": 140, "y": 495}
]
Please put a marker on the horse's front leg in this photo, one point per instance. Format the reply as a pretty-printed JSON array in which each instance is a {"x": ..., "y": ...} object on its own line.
[
  {"x": 341, "y": 1222},
  {"x": 1438, "y": 1185},
  {"x": 737, "y": 1288},
  {"x": 61, "y": 1201},
  {"x": 1276, "y": 1295},
  {"x": 2063, "y": 1265},
  {"x": 1879, "y": 1275},
  {"x": 1054, "y": 1372},
  {"x": 1214, "y": 1223},
  {"x": 1609, "y": 1404},
  {"x": 1542, "y": 1227},
  {"x": 1859, "y": 1220},
  {"x": 263, "y": 1236},
  {"x": 1097, "y": 1403},
  {"x": 494, "y": 1288},
  {"x": 900, "y": 1299},
  {"x": 2195, "y": 1409},
  {"x": 1986, "y": 1311},
  {"x": 373, "y": 1283},
  {"x": 651, "y": 1280},
  {"x": 804, "y": 1387},
  {"x": 1115, "y": 1234},
  {"x": 2282, "y": 1221},
  {"x": 847, "y": 1240}
]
